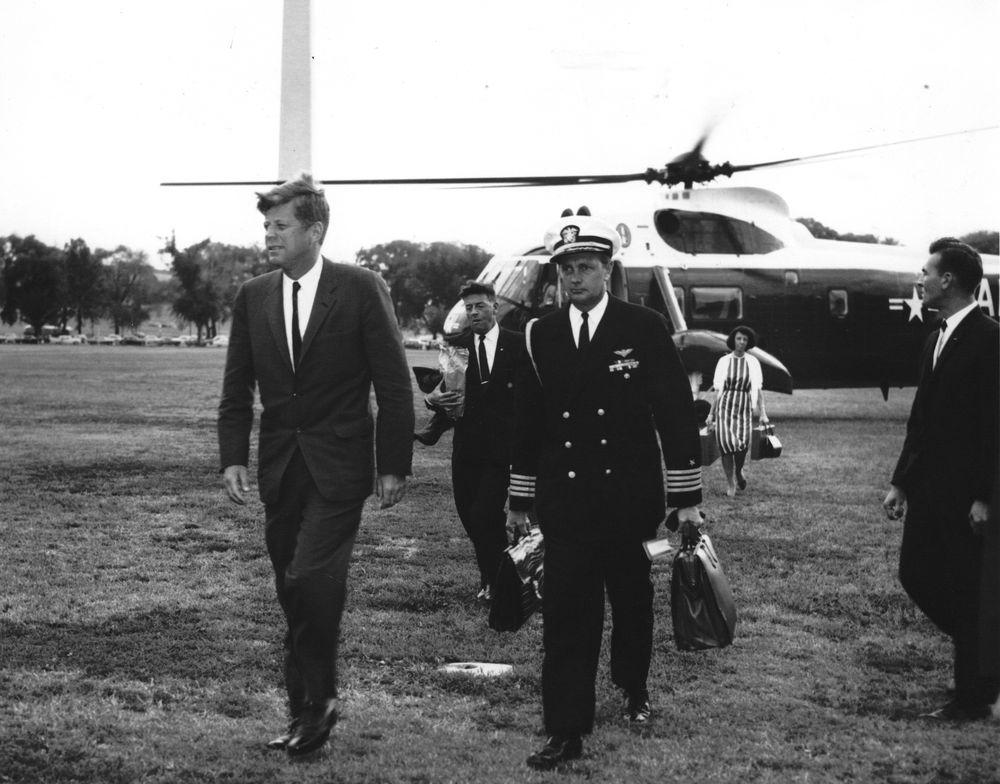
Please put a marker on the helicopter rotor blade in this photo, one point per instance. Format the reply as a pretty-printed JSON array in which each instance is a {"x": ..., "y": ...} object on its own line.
[
  {"x": 578, "y": 179},
  {"x": 730, "y": 168},
  {"x": 687, "y": 168}
]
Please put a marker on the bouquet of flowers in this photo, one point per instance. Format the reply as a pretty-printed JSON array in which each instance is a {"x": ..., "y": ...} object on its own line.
[{"x": 453, "y": 361}]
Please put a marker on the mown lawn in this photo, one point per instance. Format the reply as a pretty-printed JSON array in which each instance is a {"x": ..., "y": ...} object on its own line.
[{"x": 140, "y": 638}]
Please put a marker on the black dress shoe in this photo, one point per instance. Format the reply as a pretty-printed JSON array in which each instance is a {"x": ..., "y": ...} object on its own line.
[
  {"x": 558, "y": 748},
  {"x": 741, "y": 481},
  {"x": 636, "y": 708},
  {"x": 281, "y": 742},
  {"x": 437, "y": 426},
  {"x": 314, "y": 728},
  {"x": 952, "y": 711}
]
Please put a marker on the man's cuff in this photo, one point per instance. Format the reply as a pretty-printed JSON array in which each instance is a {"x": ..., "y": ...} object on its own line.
[{"x": 522, "y": 492}]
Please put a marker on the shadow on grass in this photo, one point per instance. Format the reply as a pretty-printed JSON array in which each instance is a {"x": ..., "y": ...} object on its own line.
[{"x": 154, "y": 645}]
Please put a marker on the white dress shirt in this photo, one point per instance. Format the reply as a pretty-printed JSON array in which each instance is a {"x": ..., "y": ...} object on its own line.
[
  {"x": 952, "y": 321},
  {"x": 307, "y": 295},
  {"x": 490, "y": 344},
  {"x": 594, "y": 316}
]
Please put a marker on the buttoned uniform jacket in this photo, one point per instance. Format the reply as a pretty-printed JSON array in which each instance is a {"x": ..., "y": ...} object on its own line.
[
  {"x": 586, "y": 428},
  {"x": 487, "y": 421},
  {"x": 952, "y": 433},
  {"x": 350, "y": 344}
]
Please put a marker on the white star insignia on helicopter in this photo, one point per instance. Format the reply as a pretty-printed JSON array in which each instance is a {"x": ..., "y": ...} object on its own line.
[{"x": 915, "y": 304}]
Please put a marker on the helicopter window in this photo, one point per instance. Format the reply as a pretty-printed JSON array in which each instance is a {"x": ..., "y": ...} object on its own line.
[
  {"x": 706, "y": 232},
  {"x": 838, "y": 303},
  {"x": 716, "y": 303}
]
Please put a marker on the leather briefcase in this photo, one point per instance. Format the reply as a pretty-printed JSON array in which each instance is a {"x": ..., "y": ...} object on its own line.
[
  {"x": 709, "y": 447},
  {"x": 701, "y": 600},
  {"x": 517, "y": 588}
]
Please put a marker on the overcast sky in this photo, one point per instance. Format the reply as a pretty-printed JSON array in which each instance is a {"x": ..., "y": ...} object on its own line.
[{"x": 100, "y": 101}]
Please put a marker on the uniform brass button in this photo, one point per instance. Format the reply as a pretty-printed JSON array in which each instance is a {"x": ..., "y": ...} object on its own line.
[
  {"x": 607, "y": 471},
  {"x": 628, "y": 375},
  {"x": 569, "y": 444},
  {"x": 510, "y": 385},
  {"x": 600, "y": 412},
  {"x": 604, "y": 442},
  {"x": 565, "y": 414},
  {"x": 571, "y": 474}
]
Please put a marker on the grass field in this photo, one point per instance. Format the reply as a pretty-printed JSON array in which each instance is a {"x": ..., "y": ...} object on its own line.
[{"x": 140, "y": 637}]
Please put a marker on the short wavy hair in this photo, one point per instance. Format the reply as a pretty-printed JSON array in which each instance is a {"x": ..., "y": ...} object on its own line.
[
  {"x": 310, "y": 204},
  {"x": 961, "y": 260},
  {"x": 475, "y": 287},
  {"x": 742, "y": 330}
]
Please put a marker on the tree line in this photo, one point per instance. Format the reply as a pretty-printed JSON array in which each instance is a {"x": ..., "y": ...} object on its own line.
[{"x": 73, "y": 286}]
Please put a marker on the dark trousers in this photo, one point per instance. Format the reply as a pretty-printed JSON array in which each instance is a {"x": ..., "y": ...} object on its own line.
[
  {"x": 480, "y": 487},
  {"x": 940, "y": 568},
  {"x": 576, "y": 576},
  {"x": 310, "y": 540}
]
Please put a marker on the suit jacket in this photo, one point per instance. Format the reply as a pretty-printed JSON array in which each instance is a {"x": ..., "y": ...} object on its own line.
[
  {"x": 952, "y": 433},
  {"x": 486, "y": 424},
  {"x": 350, "y": 343},
  {"x": 586, "y": 428}
]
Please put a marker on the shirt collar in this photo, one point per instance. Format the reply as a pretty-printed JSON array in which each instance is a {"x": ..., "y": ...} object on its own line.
[
  {"x": 492, "y": 335},
  {"x": 595, "y": 314},
  {"x": 310, "y": 279},
  {"x": 956, "y": 318}
]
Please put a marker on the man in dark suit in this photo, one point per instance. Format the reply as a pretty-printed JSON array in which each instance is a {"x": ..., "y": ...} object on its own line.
[
  {"x": 604, "y": 381},
  {"x": 313, "y": 337},
  {"x": 480, "y": 462},
  {"x": 946, "y": 475}
]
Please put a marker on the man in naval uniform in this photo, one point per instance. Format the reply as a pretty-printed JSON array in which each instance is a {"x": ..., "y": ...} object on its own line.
[{"x": 602, "y": 380}]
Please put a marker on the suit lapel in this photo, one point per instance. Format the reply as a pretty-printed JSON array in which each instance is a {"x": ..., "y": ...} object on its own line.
[
  {"x": 325, "y": 299},
  {"x": 274, "y": 308},
  {"x": 954, "y": 342}
]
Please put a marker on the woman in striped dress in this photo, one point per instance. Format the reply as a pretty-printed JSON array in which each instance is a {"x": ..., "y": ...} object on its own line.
[{"x": 738, "y": 392}]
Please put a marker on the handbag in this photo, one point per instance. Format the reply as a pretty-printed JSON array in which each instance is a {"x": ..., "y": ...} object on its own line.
[
  {"x": 709, "y": 447},
  {"x": 701, "y": 600},
  {"x": 517, "y": 588},
  {"x": 764, "y": 444}
]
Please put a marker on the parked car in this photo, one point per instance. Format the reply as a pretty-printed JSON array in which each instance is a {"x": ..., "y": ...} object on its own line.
[
  {"x": 183, "y": 340},
  {"x": 219, "y": 341},
  {"x": 109, "y": 340},
  {"x": 69, "y": 340}
]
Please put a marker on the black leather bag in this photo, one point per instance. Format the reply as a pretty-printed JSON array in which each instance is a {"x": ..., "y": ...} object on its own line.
[
  {"x": 709, "y": 447},
  {"x": 701, "y": 600},
  {"x": 517, "y": 588},
  {"x": 764, "y": 444}
]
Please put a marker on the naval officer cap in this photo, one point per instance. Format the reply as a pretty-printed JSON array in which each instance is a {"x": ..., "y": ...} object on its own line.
[{"x": 581, "y": 233}]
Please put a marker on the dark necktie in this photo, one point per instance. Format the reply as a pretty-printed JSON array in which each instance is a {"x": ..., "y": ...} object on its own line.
[
  {"x": 484, "y": 367},
  {"x": 584, "y": 342},
  {"x": 940, "y": 343},
  {"x": 296, "y": 334}
]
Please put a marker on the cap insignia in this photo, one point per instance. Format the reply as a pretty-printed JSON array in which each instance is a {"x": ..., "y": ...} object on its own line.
[{"x": 570, "y": 233}]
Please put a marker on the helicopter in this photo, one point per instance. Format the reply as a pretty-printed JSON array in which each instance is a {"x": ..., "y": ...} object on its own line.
[{"x": 828, "y": 313}]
